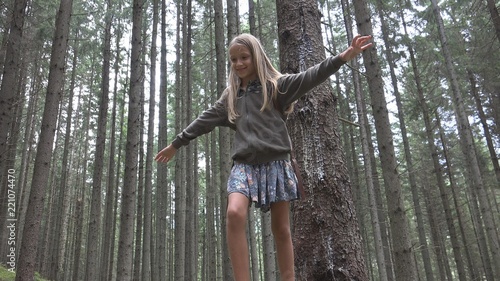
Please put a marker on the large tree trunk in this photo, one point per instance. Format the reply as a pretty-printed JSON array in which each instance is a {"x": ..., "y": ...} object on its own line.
[
  {"x": 325, "y": 228},
  {"x": 127, "y": 216},
  {"x": 34, "y": 212}
]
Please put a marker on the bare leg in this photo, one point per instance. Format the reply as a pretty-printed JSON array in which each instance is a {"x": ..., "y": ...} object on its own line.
[
  {"x": 280, "y": 225},
  {"x": 237, "y": 212}
]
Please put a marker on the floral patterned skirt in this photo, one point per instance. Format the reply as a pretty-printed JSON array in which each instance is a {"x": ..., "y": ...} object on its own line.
[{"x": 264, "y": 183}]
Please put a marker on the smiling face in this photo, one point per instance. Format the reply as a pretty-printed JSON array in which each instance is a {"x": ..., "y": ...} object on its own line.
[{"x": 242, "y": 63}]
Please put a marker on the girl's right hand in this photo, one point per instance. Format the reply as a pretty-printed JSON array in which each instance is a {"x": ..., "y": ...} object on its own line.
[{"x": 166, "y": 154}]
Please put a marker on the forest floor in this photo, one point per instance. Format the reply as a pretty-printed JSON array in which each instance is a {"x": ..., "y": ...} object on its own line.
[{"x": 6, "y": 275}]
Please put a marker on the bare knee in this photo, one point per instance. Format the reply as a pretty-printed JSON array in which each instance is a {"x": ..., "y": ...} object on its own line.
[
  {"x": 235, "y": 214},
  {"x": 281, "y": 231},
  {"x": 236, "y": 217}
]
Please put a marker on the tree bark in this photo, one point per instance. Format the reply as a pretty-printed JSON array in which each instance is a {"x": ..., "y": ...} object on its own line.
[
  {"x": 468, "y": 146},
  {"x": 422, "y": 239},
  {"x": 224, "y": 135},
  {"x": 148, "y": 183},
  {"x": 180, "y": 163},
  {"x": 268, "y": 256},
  {"x": 160, "y": 251},
  {"x": 364, "y": 128},
  {"x": 486, "y": 130},
  {"x": 325, "y": 227},
  {"x": 127, "y": 214},
  {"x": 10, "y": 73},
  {"x": 26, "y": 269},
  {"x": 81, "y": 180},
  {"x": 94, "y": 231},
  {"x": 109, "y": 215},
  {"x": 65, "y": 188},
  {"x": 495, "y": 17},
  {"x": 403, "y": 257}
]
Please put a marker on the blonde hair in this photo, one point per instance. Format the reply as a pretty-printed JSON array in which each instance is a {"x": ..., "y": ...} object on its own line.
[{"x": 266, "y": 73}]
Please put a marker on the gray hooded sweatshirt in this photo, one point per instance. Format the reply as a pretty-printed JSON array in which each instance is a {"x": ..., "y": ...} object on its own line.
[{"x": 260, "y": 136}]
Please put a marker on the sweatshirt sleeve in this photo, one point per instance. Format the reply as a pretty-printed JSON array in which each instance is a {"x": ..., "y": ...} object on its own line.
[
  {"x": 294, "y": 86},
  {"x": 205, "y": 123}
]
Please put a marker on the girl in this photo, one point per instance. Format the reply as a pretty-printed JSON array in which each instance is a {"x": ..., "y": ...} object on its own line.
[{"x": 255, "y": 105}]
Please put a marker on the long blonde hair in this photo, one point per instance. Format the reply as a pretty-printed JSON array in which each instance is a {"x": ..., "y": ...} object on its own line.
[{"x": 266, "y": 73}]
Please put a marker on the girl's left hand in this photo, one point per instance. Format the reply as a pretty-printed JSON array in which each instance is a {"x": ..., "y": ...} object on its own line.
[
  {"x": 358, "y": 45},
  {"x": 166, "y": 154}
]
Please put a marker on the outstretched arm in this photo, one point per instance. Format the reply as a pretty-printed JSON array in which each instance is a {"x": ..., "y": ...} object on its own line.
[{"x": 358, "y": 45}]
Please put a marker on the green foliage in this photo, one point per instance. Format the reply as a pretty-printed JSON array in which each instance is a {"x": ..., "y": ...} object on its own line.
[{"x": 6, "y": 275}]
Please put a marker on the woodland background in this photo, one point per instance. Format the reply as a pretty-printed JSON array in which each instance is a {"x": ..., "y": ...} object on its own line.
[{"x": 91, "y": 90}]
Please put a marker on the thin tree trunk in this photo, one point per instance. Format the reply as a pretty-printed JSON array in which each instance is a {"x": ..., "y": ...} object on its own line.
[
  {"x": 487, "y": 134},
  {"x": 7, "y": 15},
  {"x": 254, "y": 259},
  {"x": 9, "y": 101},
  {"x": 148, "y": 184},
  {"x": 34, "y": 214},
  {"x": 407, "y": 150},
  {"x": 8, "y": 91},
  {"x": 495, "y": 17},
  {"x": 269, "y": 257},
  {"x": 224, "y": 141},
  {"x": 364, "y": 127},
  {"x": 117, "y": 187},
  {"x": 108, "y": 221},
  {"x": 180, "y": 162},
  {"x": 159, "y": 271},
  {"x": 29, "y": 138},
  {"x": 64, "y": 187},
  {"x": 125, "y": 247},
  {"x": 211, "y": 178},
  {"x": 474, "y": 210},
  {"x": 139, "y": 213},
  {"x": 191, "y": 210},
  {"x": 437, "y": 171},
  {"x": 403, "y": 257},
  {"x": 9, "y": 185},
  {"x": 81, "y": 182},
  {"x": 94, "y": 230},
  {"x": 468, "y": 147},
  {"x": 51, "y": 211}
]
